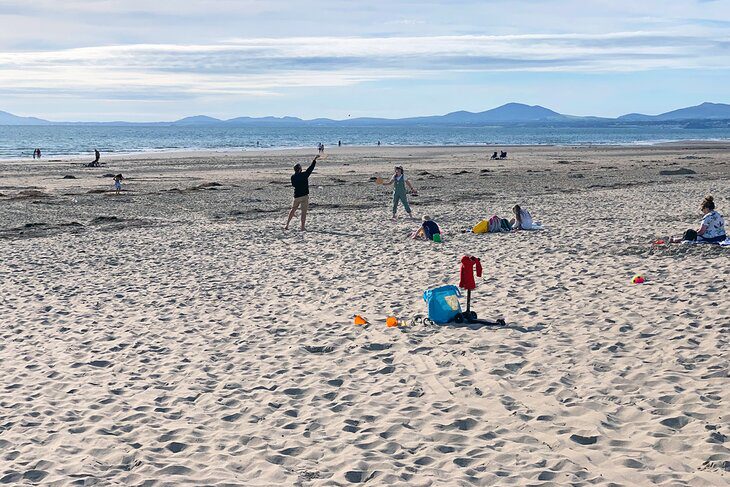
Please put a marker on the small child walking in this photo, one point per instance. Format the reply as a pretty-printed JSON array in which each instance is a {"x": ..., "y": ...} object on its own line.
[{"x": 118, "y": 183}]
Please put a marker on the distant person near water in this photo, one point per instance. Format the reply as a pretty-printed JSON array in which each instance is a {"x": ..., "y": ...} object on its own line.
[
  {"x": 300, "y": 182},
  {"x": 378, "y": 143},
  {"x": 712, "y": 226},
  {"x": 399, "y": 182},
  {"x": 37, "y": 154},
  {"x": 320, "y": 148},
  {"x": 95, "y": 162},
  {"x": 339, "y": 143}
]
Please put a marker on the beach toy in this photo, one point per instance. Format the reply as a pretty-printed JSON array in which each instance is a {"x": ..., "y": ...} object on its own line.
[
  {"x": 437, "y": 237},
  {"x": 659, "y": 242},
  {"x": 359, "y": 320},
  {"x": 378, "y": 180},
  {"x": 391, "y": 322},
  {"x": 638, "y": 279}
]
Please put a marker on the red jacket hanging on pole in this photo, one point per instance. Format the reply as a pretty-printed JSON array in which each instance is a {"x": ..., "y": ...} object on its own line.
[{"x": 467, "y": 272}]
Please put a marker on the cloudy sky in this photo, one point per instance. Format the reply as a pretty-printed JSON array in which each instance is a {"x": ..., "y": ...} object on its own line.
[{"x": 165, "y": 59}]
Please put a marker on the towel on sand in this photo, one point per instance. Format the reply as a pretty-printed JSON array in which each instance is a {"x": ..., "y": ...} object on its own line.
[{"x": 724, "y": 243}]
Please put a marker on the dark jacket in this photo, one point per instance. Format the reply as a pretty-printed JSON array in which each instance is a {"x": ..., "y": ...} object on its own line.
[{"x": 300, "y": 181}]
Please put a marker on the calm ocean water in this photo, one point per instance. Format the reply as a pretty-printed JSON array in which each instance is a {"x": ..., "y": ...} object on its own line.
[{"x": 19, "y": 141}]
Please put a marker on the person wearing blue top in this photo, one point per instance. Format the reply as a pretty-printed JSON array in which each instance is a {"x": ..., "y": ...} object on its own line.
[{"x": 428, "y": 229}]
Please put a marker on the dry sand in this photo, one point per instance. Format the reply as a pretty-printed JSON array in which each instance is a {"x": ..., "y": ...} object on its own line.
[{"x": 175, "y": 335}]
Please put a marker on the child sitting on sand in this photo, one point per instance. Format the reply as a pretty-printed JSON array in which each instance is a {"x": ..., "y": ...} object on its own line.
[
  {"x": 712, "y": 226},
  {"x": 522, "y": 219},
  {"x": 428, "y": 230}
]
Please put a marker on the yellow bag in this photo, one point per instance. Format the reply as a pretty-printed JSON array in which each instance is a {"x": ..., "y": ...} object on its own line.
[{"x": 481, "y": 227}]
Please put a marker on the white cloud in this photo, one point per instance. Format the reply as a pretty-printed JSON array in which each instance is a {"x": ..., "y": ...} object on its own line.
[{"x": 261, "y": 66}]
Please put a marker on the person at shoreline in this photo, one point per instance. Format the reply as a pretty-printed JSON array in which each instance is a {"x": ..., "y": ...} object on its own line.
[
  {"x": 95, "y": 162},
  {"x": 712, "y": 226},
  {"x": 300, "y": 182},
  {"x": 399, "y": 182}
]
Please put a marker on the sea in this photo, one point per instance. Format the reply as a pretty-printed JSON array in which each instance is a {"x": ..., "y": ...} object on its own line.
[{"x": 72, "y": 140}]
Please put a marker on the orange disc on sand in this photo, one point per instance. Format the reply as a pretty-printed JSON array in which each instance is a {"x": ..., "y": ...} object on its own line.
[
  {"x": 391, "y": 321},
  {"x": 359, "y": 320},
  {"x": 379, "y": 180}
]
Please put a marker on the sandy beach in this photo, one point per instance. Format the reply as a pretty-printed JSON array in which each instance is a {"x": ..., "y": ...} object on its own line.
[{"x": 174, "y": 334}]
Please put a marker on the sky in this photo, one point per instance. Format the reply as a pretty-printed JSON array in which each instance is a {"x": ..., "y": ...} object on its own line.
[{"x": 152, "y": 60}]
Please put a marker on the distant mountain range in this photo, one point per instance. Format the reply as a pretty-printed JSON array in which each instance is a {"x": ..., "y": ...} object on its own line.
[{"x": 506, "y": 114}]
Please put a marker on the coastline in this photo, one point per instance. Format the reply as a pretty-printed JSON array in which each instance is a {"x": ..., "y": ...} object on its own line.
[{"x": 163, "y": 154}]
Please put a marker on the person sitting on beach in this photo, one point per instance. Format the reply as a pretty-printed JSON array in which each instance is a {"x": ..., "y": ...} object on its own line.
[
  {"x": 522, "y": 219},
  {"x": 427, "y": 230},
  {"x": 503, "y": 155},
  {"x": 399, "y": 182},
  {"x": 300, "y": 182},
  {"x": 712, "y": 226},
  {"x": 494, "y": 156}
]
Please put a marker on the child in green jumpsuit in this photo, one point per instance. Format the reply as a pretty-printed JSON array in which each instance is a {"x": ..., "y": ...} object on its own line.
[{"x": 399, "y": 182}]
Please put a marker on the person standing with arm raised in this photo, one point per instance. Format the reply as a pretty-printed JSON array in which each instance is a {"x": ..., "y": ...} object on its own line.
[{"x": 300, "y": 182}]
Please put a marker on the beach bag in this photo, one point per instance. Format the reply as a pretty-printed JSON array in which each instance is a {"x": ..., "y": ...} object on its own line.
[
  {"x": 495, "y": 224},
  {"x": 690, "y": 235},
  {"x": 481, "y": 227},
  {"x": 443, "y": 303}
]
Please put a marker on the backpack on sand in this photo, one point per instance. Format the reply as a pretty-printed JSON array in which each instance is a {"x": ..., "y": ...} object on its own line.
[
  {"x": 443, "y": 303},
  {"x": 481, "y": 227}
]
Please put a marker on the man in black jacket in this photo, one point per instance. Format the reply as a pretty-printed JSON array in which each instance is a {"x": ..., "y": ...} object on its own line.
[{"x": 300, "y": 181}]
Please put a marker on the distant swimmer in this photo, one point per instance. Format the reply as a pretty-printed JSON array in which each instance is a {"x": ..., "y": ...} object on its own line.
[
  {"x": 339, "y": 143},
  {"x": 300, "y": 182},
  {"x": 378, "y": 143}
]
